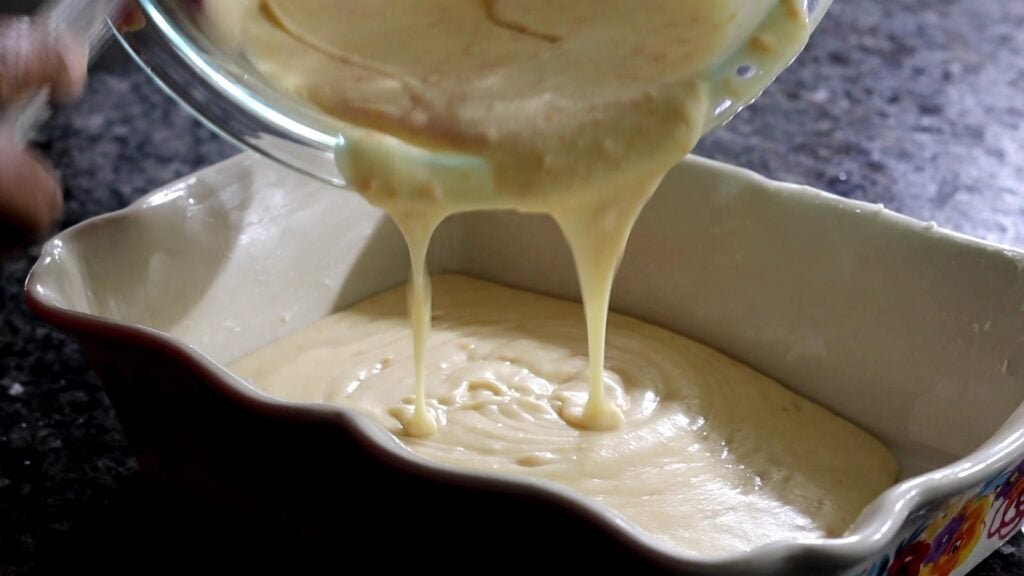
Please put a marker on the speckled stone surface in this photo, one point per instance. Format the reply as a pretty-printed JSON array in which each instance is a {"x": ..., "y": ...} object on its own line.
[{"x": 918, "y": 104}]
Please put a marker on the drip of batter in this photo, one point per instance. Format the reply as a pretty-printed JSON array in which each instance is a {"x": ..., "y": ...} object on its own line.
[
  {"x": 711, "y": 456},
  {"x": 597, "y": 234},
  {"x": 417, "y": 228}
]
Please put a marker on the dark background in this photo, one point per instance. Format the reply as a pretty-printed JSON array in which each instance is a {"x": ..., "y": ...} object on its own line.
[{"x": 916, "y": 104}]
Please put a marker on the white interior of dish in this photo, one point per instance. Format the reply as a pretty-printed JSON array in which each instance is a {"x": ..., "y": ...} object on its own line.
[{"x": 912, "y": 332}]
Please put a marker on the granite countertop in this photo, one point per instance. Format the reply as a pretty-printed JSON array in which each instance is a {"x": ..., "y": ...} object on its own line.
[{"x": 912, "y": 103}]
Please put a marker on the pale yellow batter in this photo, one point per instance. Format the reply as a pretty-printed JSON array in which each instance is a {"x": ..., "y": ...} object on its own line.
[
  {"x": 577, "y": 108},
  {"x": 555, "y": 94},
  {"x": 713, "y": 456}
]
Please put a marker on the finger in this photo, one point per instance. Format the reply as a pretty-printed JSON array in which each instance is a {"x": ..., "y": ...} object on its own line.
[
  {"x": 31, "y": 57},
  {"x": 30, "y": 196},
  {"x": 131, "y": 18}
]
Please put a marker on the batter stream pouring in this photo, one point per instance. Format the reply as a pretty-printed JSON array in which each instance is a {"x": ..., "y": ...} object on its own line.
[{"x": 576, "y": 110}]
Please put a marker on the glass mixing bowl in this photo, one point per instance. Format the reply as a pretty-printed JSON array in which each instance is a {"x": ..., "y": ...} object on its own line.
[{"x": 226, "y": 92}]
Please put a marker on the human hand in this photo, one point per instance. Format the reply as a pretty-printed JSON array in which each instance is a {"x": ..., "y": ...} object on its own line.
[{"x": 31, "y": 58}]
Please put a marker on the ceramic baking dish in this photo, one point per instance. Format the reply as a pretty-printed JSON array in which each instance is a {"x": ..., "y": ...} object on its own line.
[{"x": 915, "y": 333}]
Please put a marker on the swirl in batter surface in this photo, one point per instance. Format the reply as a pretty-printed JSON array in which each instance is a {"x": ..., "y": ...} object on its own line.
[{"x": 713, "y": 457}]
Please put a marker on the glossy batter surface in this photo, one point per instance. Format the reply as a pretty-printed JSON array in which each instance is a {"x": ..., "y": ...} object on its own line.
[{"x": 712, "y": 456}]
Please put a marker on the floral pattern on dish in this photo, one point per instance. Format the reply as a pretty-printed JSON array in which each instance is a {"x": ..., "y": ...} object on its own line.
[{"x": 945, "y": 542}]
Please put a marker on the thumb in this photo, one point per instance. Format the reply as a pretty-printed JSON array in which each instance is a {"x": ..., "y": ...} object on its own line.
[{"x": 31, "y": 57}]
